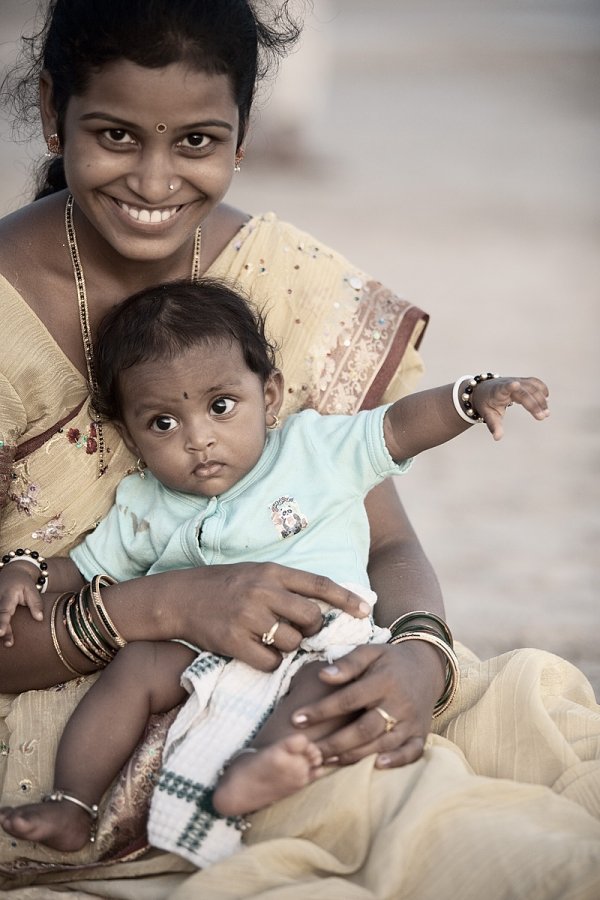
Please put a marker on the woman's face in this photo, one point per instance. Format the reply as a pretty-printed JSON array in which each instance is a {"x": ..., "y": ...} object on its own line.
[
  {"x": 149, "y": 153},
  {"x": 199, "y": 420}
]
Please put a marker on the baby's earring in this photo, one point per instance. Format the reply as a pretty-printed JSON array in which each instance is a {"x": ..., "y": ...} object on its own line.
[
  {"x": 275, "y": 423},
  {"x": 140, "y": 466}
]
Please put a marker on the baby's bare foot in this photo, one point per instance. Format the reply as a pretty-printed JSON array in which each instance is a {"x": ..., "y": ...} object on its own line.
[
  {"x": 254, "y": 780},
  {"x": 62, "y": 826}
]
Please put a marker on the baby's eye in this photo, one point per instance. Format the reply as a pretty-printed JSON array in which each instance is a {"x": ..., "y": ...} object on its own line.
[
  {"x": 222, "y": 405},
  {"x": 164, "y": 423},
  {"x": 195, "y": 141}
]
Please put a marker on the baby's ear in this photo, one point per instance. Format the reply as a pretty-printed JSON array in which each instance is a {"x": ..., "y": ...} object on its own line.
[
  {"x": 127, "y": 439},
  {"x": 274, "y": 392}
]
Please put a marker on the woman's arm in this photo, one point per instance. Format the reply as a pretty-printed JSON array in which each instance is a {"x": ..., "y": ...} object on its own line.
[
  {"x": 406, "y": 679},
  {"x": 224, "y": 609}
]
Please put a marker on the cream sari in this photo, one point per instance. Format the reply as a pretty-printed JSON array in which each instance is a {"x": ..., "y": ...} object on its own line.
[{"x": 504, "y": 803}]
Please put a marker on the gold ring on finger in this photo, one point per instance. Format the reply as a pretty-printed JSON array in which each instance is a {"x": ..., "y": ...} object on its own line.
[
  {"x": 390, "y": 721},
  {"x": 268, "y": 637}
]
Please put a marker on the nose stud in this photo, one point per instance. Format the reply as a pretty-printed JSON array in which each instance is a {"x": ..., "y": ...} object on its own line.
[{"x": 171, "y": 187}]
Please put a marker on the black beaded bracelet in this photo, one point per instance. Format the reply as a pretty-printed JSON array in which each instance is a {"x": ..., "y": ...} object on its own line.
[
  {"x": 30, "y": 556},
  {"x": 463, "y": 404}
]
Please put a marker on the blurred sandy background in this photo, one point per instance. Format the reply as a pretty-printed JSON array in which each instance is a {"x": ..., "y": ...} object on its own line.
[{"x": 451, "y": 148}]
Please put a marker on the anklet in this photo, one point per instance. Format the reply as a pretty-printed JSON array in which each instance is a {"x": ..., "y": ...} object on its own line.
[{"x": 92, "y": 811}]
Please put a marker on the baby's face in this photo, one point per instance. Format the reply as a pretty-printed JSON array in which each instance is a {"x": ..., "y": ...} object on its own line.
[{"x": 198, "y": 421}]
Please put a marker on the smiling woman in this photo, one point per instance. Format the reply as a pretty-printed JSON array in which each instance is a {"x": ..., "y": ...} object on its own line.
[
  {"x": 144, "y": 107},
  {"x": 140, "y": 191}
]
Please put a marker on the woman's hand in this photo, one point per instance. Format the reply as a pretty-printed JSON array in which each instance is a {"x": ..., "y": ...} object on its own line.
[
  {"x": 265, "y": 609},
  {"x": 403, "y": 680},
  {"x": 228, "y": 609}
]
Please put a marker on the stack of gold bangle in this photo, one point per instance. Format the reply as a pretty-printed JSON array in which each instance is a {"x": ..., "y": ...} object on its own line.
[
  {"x": 88, "y": 625},
  {"x": 62, "y": 598},
  {"x": 115, "y": 639},
  {"x": 421, "y": 625}
]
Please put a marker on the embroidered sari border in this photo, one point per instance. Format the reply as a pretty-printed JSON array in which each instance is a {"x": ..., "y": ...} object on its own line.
[{"x": 396, "y": 351}]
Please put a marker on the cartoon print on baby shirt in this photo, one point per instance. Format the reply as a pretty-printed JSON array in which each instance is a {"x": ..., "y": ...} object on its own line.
[{"x": 287, "y": 517}]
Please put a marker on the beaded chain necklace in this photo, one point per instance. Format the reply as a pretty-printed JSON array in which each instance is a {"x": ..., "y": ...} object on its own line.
[{"x": 84, "y": 318}]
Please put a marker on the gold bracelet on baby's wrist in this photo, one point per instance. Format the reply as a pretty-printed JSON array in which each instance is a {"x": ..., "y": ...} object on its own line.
[{"x": 451, "y": 660}]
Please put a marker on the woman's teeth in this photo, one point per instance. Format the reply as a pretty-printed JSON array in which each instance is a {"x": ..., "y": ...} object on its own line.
[{"x": 148, "y": 215}]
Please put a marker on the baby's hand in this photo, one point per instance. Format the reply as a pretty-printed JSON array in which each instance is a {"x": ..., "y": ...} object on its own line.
[
  {"x": 17, "y": 588},
  {"x": 492, "y": 397}
]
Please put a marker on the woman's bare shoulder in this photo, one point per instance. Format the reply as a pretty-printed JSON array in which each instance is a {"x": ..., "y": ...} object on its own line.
[{"x": 28, "y": 239}]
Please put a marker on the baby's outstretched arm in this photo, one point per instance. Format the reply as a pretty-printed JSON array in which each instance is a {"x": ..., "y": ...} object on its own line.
[
  {"x": 428, "y": 418},
  {"x": 24, "y": 576}
]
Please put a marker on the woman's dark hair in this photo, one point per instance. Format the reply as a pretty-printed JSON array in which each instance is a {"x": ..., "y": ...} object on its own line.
[
  {"x": 78, "y": 37},
  {"x": 161, "y": 322}
]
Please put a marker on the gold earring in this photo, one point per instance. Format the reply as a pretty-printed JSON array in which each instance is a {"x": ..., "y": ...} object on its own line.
[
  {"x": 275, "y": 423},
  {"x": 53, "y": 145},
  {"x": 140, "y": 466},
  {"x": 239, "y": 159}
]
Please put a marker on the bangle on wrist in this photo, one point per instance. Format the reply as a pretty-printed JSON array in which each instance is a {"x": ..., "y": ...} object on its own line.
[
  {"x": 54, "y": 635},
  {"x": 88, "y": 625},
  {"x": 452, "y": 670},
  {"x": 422, "y": 620},
  {"x": 115, "y": 638},
  {"x": 462, "y": 400},
  {"x": 30, "y": 556}
]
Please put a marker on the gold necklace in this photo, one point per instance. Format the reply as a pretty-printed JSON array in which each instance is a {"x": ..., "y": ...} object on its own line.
[{"x": 84, "y": 318}]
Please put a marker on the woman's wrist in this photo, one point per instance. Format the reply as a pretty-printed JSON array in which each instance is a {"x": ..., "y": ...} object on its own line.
[
  {"x": 426, "y": 627},
  {"x": 155, "y": 607},
  {"x": 430, "y": 665}
]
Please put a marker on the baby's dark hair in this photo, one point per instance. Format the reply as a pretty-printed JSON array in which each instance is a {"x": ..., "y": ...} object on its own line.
[{"x": 161, "y": 322}]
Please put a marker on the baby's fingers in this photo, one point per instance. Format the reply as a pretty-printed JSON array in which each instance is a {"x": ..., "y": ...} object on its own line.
[
  {"x": 531, "y": 394},
  {"x": 35, "y": 603},
  {"x": 6, "y": 635},
  {"x": 9, "y": 601}
]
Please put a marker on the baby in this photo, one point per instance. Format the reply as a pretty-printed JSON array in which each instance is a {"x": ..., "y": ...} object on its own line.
[{"x": 186, "y": 372}]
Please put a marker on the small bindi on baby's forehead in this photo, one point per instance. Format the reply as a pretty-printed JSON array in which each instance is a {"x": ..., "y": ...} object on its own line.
[{"x": 185, "y": 395}]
